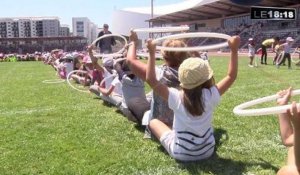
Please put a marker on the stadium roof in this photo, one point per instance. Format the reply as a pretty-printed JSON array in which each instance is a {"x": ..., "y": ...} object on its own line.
[
  {"x": 211, "y": 9},
  {"x": 166, "y": 9}
]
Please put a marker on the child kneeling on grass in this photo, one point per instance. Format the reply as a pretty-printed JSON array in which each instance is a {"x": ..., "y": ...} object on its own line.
[
  {"x": 289, "y": 123},
  {"x": 191, "y": 137}
]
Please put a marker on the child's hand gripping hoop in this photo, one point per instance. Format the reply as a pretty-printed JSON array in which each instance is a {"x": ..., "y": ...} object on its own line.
[
  {"x": 73, "y": 86},
  {"x": 193, "y": 35},
  {"x": 241, "y": 111},
  {"x": 116, "y": 54},
  {"x": 161, "y": 29}
]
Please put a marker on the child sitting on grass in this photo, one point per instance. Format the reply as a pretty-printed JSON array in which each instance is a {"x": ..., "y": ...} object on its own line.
[
  {"x": 289, "y": 123},
  {"x": 191, "y": 137}
]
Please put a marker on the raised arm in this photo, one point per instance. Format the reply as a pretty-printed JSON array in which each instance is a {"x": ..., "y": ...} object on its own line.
[
  {"x": 160, "y": 89},
  {"x": 285, "y": 125},
  {"x": 136, "y": 66},
  {"x": 228, "y": 80},
  {"x": 295, "y": 118},
  {"x": 94, "y": 59},
  {"x": 108, "y": 91}
]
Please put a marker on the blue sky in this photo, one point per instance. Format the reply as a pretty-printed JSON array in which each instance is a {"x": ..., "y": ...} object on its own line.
[{"x": 98, "y": 11}]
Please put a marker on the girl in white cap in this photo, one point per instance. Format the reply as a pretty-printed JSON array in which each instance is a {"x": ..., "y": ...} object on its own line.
[
  {"x": 251, "y": 53},
  {"x": 191, "y": 137},
  {"x": 287, "y": 51}
]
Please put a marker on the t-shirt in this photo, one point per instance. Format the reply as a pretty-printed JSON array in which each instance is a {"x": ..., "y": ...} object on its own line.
[
  {"x": 105, "y": 43},
  {"x": 268, "y": 42},
  {"x": 159, "y": 107},
  {"x": 134, "y": 95},
  {"x": 118, "y": 86},
  {"x": 286, "y": 48},
  {"x": 193, "y": 134},
  {"x": 108, "y": 78},
  {"x": 69, "y": 67},
  {"x": 132, "y": 88},
  {"x": 251, "y": 49}
]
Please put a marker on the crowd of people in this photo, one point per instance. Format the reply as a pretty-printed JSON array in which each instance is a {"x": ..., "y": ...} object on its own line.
[
  {"x": 179, "y": 109},
  {"x": 282, "y": 48},
  {"x": 37, "y": 56}
]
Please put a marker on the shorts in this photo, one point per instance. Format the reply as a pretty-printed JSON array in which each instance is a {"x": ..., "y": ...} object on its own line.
[
  {"x": 113, "y": 99},
  {"x": 251, "y": 54},
  {"x": 167, "y": 140}
]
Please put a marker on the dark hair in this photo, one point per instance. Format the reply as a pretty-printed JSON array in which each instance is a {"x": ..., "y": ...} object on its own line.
[
  {"x": 105, "y": 25},
  {"x": 276, "y": 38},
  {"x": 192, "y": 98}
]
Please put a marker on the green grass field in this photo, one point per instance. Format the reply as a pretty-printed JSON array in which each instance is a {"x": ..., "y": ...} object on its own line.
[{"x": 53, "y": 129}]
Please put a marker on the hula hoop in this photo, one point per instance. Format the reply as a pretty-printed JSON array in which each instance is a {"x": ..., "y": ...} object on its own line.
[
  {"x": 191, "y": 35},
  {"x": 157, "y": 55},
  {"x": 53, "y": 81},
  {"x": 108, "y": 55},
  {"x": 162, "y": 29},
  {"x": 241, "y": 111},
  {"x": 70, "y": 84},
  {"x": 297, "y": 60},
  {"x": 106, "y": 36},
  {"x": 280, "y": 58},
  {"x": 106, "y": 78}
]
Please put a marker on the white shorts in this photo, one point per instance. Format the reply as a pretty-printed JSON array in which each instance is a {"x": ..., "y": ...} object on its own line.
[
  {"x": 251, "y": 54},
  {"x": 167, "y": 139}
]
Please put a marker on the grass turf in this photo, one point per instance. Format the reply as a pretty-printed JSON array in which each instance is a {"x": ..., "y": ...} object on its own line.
[{"x": 53, "y": 129}]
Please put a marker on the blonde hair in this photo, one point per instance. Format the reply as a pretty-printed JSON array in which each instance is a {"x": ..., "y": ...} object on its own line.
[{"x": 174, "y": 59}]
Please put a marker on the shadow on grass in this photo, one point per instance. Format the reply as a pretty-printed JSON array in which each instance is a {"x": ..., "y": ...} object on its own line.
[{"x": 221, "y": 166}]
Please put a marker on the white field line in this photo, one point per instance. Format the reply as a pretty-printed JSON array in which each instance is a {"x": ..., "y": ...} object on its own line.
[{"x": 25, "y": 111}]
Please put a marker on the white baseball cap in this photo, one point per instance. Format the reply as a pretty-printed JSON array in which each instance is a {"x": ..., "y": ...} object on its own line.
[{"x": 289, "y": 39}]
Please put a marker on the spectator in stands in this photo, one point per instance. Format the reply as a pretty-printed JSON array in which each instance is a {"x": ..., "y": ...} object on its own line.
[
  {"x": 265, "y": 44},
  {"x": 105, "y": 43},
  {"x": 289, "y": 123}
]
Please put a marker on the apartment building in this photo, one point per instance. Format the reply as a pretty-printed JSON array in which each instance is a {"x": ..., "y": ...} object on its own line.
[
  {"x": 25, "y": 27},
  {"x": 82, "y": 26}
]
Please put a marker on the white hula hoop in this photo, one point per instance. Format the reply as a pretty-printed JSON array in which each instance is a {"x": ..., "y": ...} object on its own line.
[
  {"x": 162, "y": 29},
  {"x": 191, "y": 35},
  {"x": 157, "y": 55},
  {"x": 241, "y": 111},
  {"x": 106, "y": 78},
  {"x": 54, "y": 81},
  {"x": 295, "y": 60},
  {"x": 280, "y": 58},
  {"x": 70, "y": 84},
  {"x": 108, "y": 55},
  {"x": 110, "y": 35}
]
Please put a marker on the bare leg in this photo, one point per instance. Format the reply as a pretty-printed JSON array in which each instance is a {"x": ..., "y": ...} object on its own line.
[
  {"x": 158, "y": 128},
  {"x": 251, "y": 60}
]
